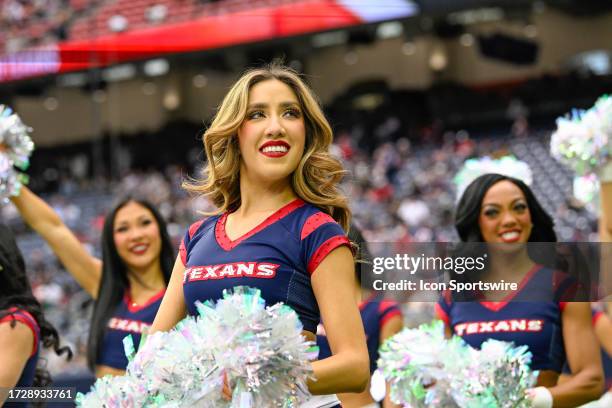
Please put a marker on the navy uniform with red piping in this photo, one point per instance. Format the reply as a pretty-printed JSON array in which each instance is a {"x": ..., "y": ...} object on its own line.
[
  {"x": 278, "y": 257},
  {"x": 529, "y": 316},
  {"x": 27, "y": 375},
  {"x": 375, "y": 313},
  {"x": 128, "y": 319}
]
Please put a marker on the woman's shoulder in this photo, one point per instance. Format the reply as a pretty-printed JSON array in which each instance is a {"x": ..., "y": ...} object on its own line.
[
  {"x": 27, "y": 328},
  {"x": 311, "y": 217}
]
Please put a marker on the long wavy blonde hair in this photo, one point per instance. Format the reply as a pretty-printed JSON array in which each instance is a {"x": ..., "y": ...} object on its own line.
[{"x": 318, "y": 174}]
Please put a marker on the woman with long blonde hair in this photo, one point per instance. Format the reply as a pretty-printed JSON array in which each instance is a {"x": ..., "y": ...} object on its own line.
[{"x": 281, "y": 223}]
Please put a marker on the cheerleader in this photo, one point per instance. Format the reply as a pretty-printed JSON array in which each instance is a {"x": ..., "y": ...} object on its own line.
[
  {"x": 127, "y": 284},
  {"x": 23, "y": 326},
  {"x": 281, "y": 223},
  {"x": 502, "y": 210}
]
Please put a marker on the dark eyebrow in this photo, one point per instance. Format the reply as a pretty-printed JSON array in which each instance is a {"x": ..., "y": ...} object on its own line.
[
  {"x": 497, "y": 205},
  {"x": 265, "y": 105}
]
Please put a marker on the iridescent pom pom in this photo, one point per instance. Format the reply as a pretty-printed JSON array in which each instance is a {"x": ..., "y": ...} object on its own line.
[
  {"x": 507, "y": 166},
  {"x": 16, "y": 148},
  {"x": 498, "y": 376},
  {"x": 258, "y": 351},
  {"x": 583, "y": 141},
  {"x": 420, "y": 366},
  {"x": 426, "y": 370}
]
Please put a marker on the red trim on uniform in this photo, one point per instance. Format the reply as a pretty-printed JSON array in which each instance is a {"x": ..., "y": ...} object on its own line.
[
  {"x": 598, "y": 315},
  {"x": 192, "y": 230},
  {"x": 133, "y": 308},
  {"x": 313, "y": 222},
  {"x": 367, "y": 300},
  {"x": 446, "y": 294},
  {"x": 497, "y": 306},
  {"x": 385, "y": 305},
  {"x": 27, "y": 319},
  {"x": 441, "y": 313},
  {"x": 324, "y": 249},
  {"x": 227, "y": 244},
  {"x": 194, "y": 227},
  {"x": 393, "y": 313},
  {"x": 562, "y": 305}
]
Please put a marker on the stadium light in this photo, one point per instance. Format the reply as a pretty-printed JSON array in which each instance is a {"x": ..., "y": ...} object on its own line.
[
  {"x": 156, "y": 67},
  {"x": 78, "y": 79},
  {"x": 392, "y": 29},
  {"x": 119, "y": 73},
  {"x": 200, "y": 80},
  {"x": 330, "y": 39},
  {"x": 51, "y": 103},
  {"x": 467, "y": 40},
  {"x": 171, "y": 100},
  {"x": 408, "y": 48}
]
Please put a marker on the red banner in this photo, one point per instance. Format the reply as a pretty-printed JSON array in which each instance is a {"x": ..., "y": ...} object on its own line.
[{"x": 203, "y": 33}]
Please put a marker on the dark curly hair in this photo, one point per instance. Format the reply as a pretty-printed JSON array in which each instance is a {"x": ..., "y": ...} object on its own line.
[{"x": 15, "y": 292}]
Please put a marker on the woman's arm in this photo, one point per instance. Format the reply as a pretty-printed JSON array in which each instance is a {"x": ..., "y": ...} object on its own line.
[
  {"x": 172, "y": 309},
  {"x": 603, "y": 332},
  {"x": 582, "y": 350},
  {"x": 86, "y": 269},
  {"x": 347, "y": 370},
  {"x": 16, "y": 345},
  {"x": 391, "y": 327}
]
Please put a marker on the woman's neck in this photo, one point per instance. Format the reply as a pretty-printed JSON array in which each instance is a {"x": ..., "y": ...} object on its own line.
[
  {"x": 150, "y": 279},
  {"x": 509, "y": 267},
  {"x": 256, "y": 198}
]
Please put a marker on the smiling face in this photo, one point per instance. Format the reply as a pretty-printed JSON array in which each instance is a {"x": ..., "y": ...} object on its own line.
[
  {"x": 272, "y": 136},
  {"x": 136, "y": 236},
  {"x": 504, "y": 214}
]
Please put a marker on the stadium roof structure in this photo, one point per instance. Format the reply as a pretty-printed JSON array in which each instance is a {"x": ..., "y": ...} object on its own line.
[{"x": 202, "y": 33}]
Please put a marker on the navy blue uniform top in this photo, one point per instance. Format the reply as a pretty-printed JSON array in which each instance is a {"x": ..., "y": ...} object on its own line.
[
  {"x": 128, "y": 319},
  {"x": 375, "y": 313},
  {"x": 27, "y": 375},
  {"x": 278, "y": 257},
  {"x": 518, "y": 319}
]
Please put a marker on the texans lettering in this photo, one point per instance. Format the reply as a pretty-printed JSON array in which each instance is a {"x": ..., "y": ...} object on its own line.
[
  {"x": 262, "y": 270},
  {"x": 499, "y": 326}
]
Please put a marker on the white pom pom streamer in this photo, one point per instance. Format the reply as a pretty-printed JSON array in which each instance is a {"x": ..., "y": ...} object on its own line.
[
  {"x": 16, "y": 146},
  {"x": 507, "y": 166},
  {"x": 258, "y": 351}
]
